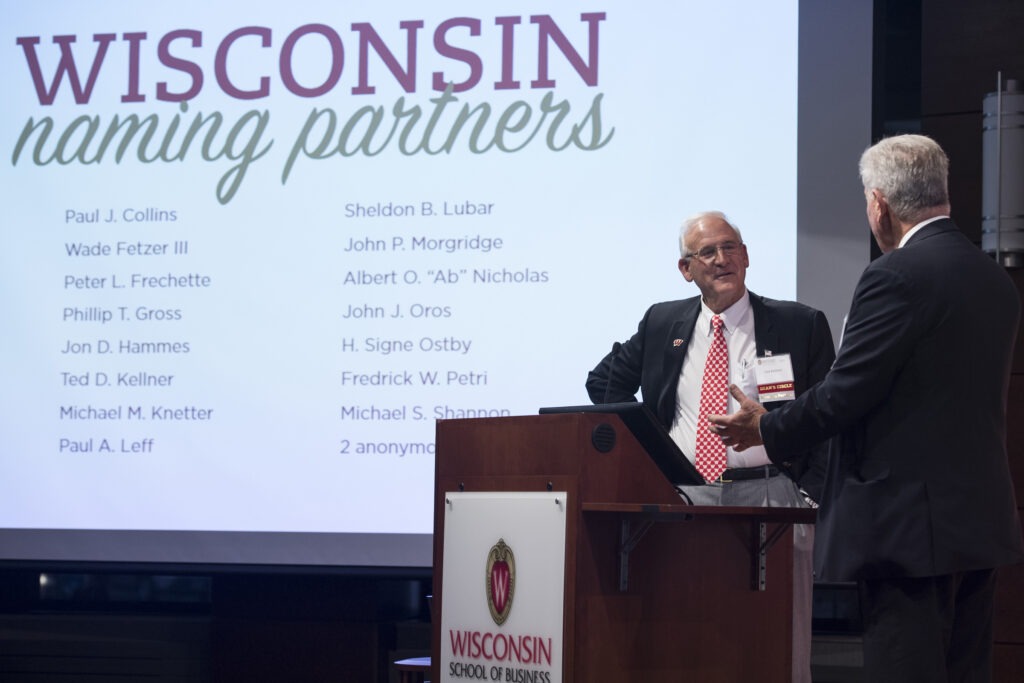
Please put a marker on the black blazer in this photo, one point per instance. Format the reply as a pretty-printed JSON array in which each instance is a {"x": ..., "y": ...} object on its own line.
[
  {"x": 918, "y": 481},
  {"x": 651, "y": 361}
]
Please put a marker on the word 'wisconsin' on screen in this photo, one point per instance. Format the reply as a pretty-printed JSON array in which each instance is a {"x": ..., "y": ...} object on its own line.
[{"x": 412, "y": 124}]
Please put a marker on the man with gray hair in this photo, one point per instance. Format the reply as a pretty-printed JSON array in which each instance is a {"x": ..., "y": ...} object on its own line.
[
  {"x": 919, "y": 506},
  {"x": 683, "y": 356}
]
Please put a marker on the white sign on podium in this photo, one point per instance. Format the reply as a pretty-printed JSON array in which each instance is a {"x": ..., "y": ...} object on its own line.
[{"x": 503, "y": 587}]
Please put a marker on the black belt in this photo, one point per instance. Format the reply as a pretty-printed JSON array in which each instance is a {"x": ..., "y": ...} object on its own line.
[{"x": 746, "y": 473}]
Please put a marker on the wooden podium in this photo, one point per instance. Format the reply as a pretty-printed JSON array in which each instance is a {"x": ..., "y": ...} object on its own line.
[{"x": 655, "y": 590}]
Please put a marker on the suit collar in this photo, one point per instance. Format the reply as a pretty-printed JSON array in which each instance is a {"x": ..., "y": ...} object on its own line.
[
  {"x": 676, "y": 344},
  {"x": 766, "y": 335},
  {"x": 927, "y": 228},
  {"x": 682, "y": 329}
]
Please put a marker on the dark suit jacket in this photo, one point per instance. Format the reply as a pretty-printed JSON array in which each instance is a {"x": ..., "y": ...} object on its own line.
[
  {"x": 651, "y": 362},
  {"x": 918, "y": 480}
]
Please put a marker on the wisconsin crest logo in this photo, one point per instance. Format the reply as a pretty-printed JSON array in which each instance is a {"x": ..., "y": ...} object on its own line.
[{"x": 501, "y": 581}]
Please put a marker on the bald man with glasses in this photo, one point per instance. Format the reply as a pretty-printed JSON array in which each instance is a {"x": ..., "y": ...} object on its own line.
[{"x": 684, "y": 355}]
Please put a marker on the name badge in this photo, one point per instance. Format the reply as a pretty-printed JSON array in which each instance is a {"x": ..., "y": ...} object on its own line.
[{"x": 774, "y": 376}]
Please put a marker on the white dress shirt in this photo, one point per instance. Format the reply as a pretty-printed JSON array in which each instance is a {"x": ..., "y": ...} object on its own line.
[{"x": 738, "y": 326}]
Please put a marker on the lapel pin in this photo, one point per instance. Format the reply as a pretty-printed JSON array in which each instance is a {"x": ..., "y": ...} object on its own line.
[{"x": 678, "y": 342}]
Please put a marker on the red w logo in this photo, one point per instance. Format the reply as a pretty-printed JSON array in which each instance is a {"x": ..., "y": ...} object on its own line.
[
  {"x": 501, "y": 581},
  {"x": 499, "y": 585}
]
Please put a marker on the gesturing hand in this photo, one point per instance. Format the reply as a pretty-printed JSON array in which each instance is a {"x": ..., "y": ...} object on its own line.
[{"x": 742, "y": 429}]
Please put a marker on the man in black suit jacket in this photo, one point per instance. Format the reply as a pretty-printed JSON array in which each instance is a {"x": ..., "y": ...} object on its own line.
[
  {"x": 658, "y": 361},
  {"x": 918, "y": 507}
]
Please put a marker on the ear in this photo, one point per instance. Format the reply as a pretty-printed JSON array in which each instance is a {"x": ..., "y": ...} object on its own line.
[
  {"x": 684, "y": 268},
  {"x": 885, "y": 217},
  {"x": 881, "y": 206}
]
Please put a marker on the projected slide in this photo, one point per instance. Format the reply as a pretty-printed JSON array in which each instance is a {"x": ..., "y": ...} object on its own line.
[{"x": 253, "y": 251}]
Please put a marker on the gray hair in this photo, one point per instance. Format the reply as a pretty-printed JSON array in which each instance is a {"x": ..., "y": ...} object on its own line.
[
  {"x": 911, "y": 173},
  {"x": 693, "y": 221}
]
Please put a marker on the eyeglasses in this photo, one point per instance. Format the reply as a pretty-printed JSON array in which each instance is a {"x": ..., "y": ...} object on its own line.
[{"x": 707, "y": 254}]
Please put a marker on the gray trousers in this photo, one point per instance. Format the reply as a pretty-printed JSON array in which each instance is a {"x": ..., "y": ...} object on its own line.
[{"x": 777, "y": 491}]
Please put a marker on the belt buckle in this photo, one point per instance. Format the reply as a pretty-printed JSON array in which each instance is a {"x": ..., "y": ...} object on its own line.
[{"x": 721, "y": 478}]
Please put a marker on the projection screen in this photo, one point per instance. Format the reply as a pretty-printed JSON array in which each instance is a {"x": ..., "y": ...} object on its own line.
[{"x": 253, "y": 251}]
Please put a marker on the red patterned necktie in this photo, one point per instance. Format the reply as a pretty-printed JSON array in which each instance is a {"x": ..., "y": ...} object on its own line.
[{"x": 714, "y": 400}]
